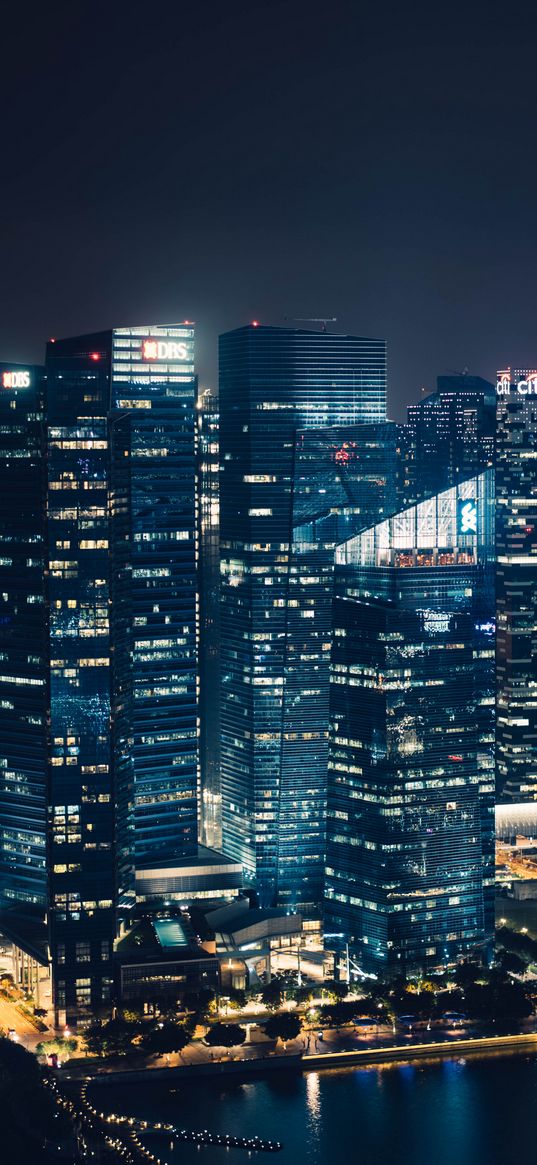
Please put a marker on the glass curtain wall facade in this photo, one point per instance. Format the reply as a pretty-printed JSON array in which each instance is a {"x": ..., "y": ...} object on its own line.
[
  {"x": 410, "y": 848},
  {"x": 154, "y": 510},
  {"x": 516, "y": 585},
  {"x": 343, "y": 479},
  {"x": 81, "y": 793},
  {"x": 276, "y": 387},
  {"x": 123, "y": 632},
  {"x": 23, "y": 650},
  {"x": 210, "y": 800}
]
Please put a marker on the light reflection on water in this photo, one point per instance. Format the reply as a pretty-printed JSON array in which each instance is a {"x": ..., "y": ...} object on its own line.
[{"x": 466, "y": 1111}]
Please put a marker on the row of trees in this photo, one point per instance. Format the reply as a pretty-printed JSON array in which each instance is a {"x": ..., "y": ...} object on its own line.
[
  {"x": 478, "y": 992},
  {"x": 120, "y": 1036}
]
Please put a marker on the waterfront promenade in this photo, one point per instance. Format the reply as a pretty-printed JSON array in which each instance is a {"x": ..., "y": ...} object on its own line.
[{"x": 120, "y": 1071}]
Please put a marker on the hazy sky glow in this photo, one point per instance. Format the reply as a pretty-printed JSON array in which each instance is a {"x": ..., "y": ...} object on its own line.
[{"x": 222, "y": 162}]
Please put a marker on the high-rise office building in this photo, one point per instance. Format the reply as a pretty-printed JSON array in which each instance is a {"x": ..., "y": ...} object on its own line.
[
  {"x": 122, "y": 540},
  {"x": 303, "y": 442},
  {"x": 448, "y": 437},
  {"x": 210, "y": 801},
  {"x": 410, "y": 848},
  {"x": 23, "y": 653},
  {"x": 516, "y": 585}
]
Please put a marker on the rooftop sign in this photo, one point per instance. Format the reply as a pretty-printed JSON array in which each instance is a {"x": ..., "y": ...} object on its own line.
[{"x": 526, "y": 387}]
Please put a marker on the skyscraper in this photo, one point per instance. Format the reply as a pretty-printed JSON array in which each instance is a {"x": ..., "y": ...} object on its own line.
[
  {"x": 449, "y": 435},
  {"x": 210, "y": 801},
  {"x": 291, "y": 404},
  {"x": 122, "y": 540},
  {"x": 23, "y": 653},
  {"x": 410, "y": 848},
  {"x": 516, "y": 585}
]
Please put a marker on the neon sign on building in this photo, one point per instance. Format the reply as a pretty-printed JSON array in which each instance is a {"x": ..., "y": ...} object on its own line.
[
  {"x": 15, "y": 380},
  {"x": 527, "y": 387},
  {"x": 166, "y": 350},
  {"x": 467, "y": 516}
]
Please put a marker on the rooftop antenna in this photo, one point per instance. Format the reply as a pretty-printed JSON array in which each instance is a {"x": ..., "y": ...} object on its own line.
[
  {"x": 459, "y": 371},
  {"x": 322, "y": 320}
]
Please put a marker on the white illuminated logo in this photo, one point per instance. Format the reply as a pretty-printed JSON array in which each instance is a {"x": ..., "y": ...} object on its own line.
[
  {"x": 436, "y": 622},
  {"x": 527, "y": 387},
  {"x": 15, "y": 380},
  {"x": 164, "y": 350},
  {"x": 468, "y": 518}
]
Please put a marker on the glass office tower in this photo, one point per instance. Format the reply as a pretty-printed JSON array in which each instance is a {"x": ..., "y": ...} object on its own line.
[
  {"x": 516, "y": 585},
  {"x": 289, "y": 400},
  {"x": 448, "y": 437},
  {"x": 410, "y": 848},
  {"x": 122, "y": 543},
  {"x": 23, "y": 651},
  {"x": 210, "y": 801}
]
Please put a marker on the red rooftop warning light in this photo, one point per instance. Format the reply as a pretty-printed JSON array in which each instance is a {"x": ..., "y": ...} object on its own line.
[
  {"x": 95, "y": 355},
  {"x": 255, "y": 323}
]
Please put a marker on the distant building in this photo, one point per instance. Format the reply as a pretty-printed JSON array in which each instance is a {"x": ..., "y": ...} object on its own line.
[
  {"x": 291, "y": 406},
  {"x": 410, "y": 847},
  {"x": 448, "y": 437},
  {"x": 516, "y": 586}
]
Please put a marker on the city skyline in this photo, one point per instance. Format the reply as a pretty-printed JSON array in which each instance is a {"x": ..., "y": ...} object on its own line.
[{"x": 268, "y": 581}]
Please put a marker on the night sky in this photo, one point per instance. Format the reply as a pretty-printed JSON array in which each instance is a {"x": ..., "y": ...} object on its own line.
[{"x": 229, "y": 161}]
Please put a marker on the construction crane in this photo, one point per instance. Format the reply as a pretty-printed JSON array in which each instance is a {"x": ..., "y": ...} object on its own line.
[{"x": 323, "y": 320}]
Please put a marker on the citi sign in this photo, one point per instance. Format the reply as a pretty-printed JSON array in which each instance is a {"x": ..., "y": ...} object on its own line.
[
  {"x": 526, "y": 387},
  {"x": 15, "y": 380},
  {"x": 165, "y": 350}
]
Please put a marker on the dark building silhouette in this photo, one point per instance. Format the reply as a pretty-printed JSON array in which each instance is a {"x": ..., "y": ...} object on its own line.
[{"x": 449, "y": 436}]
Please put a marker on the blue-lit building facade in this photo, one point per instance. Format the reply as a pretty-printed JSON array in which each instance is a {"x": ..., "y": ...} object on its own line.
[
  {"x": 210, "y": 800},
  {"x": 23, "y": 654},
  {"x": 122, "y": 588},
  {"x": 516, "y": 585},
  {"x": 410, "y": 846},
  {"x": 291, "y": 404}
]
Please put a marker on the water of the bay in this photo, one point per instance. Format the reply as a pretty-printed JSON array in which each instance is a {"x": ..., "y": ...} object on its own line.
[{"x": 450, "y": 1112}]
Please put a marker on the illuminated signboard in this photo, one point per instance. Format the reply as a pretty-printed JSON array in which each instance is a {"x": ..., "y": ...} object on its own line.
[
  {"x": 166, "y": 350},
  {"x": 487, "y": 628},
  {"x": 436, "y": 622},
  {"x": 527, "y": 387},
  {"x": 467, "y": 516},
  {"x": 15, "y": 379}
]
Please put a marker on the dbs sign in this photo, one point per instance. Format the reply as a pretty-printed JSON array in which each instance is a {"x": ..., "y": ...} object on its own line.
[
  {"x": 15, "y": 379},
  {"x": 166, "y": 350}
]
